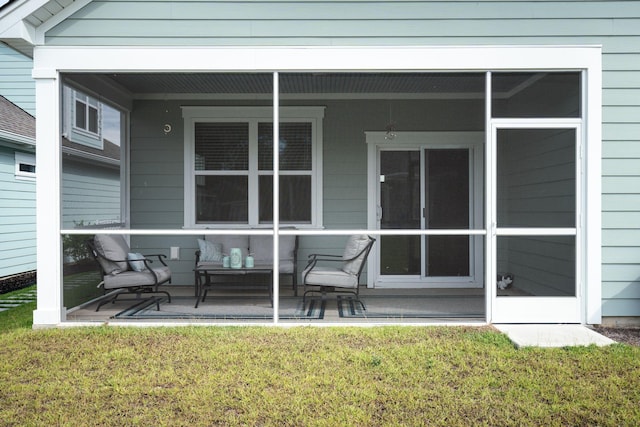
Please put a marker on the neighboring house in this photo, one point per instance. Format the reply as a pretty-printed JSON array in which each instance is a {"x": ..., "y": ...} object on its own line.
[
  {"x": 17, "y": 162},
  {"x": 16, "y": 83},
  {"x": 91, "y": 165},
  {"x": 473, "y": 138},
  {"x": 17, "y": 197}
]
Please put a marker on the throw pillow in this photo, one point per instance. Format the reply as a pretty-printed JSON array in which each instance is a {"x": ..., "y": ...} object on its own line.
[
  {"x": 135, "y": 261},
  {"x": 209, "y": 251}
]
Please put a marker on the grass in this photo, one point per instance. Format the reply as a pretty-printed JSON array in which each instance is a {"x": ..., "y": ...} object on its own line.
[
  {"x": 19, "y": 317},
  {"x": 203, "y": 376}
]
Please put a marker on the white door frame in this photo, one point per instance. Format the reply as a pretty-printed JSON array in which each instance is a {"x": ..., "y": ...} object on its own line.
[
  {"x": 537, "y": 309},
  {"x": 419, "y": 141}
]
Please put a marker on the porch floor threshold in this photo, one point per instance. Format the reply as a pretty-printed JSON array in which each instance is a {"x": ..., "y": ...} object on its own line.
[{"x": 534, "y": 335}]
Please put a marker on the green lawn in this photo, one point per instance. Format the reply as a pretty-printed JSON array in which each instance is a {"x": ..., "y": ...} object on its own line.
[
  {"x": 19, "y": 317},
  {"x": 306, "y": 376}
]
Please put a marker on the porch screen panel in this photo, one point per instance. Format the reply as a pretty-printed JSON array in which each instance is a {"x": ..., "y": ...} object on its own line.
[
  {"x": 92, "y": 188},
  {"x": 222, "y": 199},
  {"x": 400, "y": 204},
  {"x": 541, "y": 266},
  {"x": 92, "y": 168},
  {"x": 295, "y": 199},
  {"x": 536, "y": 192},
  {"x": 536, "y": 95},
  {"x": 295, "y": 147},
  {"x": 447, "y": 188},
  {"x": 222, "y": 146},
  {"x": 221, "y": 167},
  {"x": 536, "y": 178}
]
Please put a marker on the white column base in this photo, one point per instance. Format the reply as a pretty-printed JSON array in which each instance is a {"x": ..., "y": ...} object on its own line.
[{"x": 48, "y": 318}]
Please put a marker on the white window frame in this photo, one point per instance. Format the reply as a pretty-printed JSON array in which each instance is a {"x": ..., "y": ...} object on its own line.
[
  {"x": 89, "y": 103},
  {"x": 252, "y": 116},
  {"x": 25, "y": 159}
]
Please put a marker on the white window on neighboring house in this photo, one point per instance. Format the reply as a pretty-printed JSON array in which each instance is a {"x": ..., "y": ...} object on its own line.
[
  {"x": 25, "y": 166},
  {"x": 87, "y": 114},
  {"x": 229, "y": 166}
]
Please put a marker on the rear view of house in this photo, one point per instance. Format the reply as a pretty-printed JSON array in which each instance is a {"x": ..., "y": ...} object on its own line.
[
  {"x": 489, "y": 147},
  {"x": 17, "y": 171}
]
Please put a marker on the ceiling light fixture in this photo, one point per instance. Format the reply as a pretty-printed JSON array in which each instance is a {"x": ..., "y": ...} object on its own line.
[{"x": 391, "y": 127}]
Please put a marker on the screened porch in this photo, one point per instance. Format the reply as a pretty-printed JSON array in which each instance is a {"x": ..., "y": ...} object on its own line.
[{"x": 429, "y": 164}]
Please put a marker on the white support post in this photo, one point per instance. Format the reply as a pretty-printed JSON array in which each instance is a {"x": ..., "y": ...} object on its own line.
[
  {"x": 50, "y": 310},
  {"x": 276, "y": 198},
  {"x": 489, "y": 223},
  {"x": 592, "y": 214}
]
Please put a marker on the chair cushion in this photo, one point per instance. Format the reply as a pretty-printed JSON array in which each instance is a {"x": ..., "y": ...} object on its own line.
[
  {"x": 210, "y": 251},
  {"x": 112, "y": 246},
  {"x": 286, "y": 267},
  {"x": 287, "y": 248},
  {"x": 230, "y": 241},
  {"x": 328, "y": 276},
  {"x": 130, "y": 279},
  {"x": 354, "y": 246},
  {"x": 262, "y": 249},
  {"x": 134, "y": 261}
]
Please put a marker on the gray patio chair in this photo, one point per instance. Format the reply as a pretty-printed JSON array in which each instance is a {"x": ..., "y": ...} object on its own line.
[
  {"x": 341, "y": 277},
  {"x": 126, "y": 272}
]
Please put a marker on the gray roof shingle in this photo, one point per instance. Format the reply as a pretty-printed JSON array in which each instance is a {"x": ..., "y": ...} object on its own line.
[{"x": 15, "y": 120}]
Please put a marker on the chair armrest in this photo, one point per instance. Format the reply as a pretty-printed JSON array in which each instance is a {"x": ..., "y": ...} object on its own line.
[
  {"x": 314, "y": 258},
  {"x": 330, "y": 257},
  {"x": 160, "y": 258}
]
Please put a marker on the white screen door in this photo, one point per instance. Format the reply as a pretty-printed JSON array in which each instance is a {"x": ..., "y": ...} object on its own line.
[{"x": 535, "y": 240}]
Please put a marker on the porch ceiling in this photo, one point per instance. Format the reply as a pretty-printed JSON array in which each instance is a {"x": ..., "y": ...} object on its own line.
[{"x": 446, "y": 84}]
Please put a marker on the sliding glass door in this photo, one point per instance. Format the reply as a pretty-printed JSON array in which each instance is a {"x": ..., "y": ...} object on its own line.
[{"x": 434, "y": 189}]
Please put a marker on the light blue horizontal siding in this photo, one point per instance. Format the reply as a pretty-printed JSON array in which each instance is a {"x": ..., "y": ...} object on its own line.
[
  {"x": 613, "y": 24},
  {"x": 339, "y": 22},
  {"x": 615, "y": 307},
  {"x": 342, "y": 28},
  {"x": 16, "y": 83},
  {"x": 621, "y": 297},
  {"x": 366, "y": 10},
  {"x": 17, "y": 219},
  {"x": 90, "y": 193},
  {"x": 157, "y": 172},
  {"x": 621, "y": 180}
]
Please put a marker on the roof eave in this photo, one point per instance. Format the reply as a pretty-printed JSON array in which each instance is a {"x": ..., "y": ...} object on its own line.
[
  {"x": 14, "y": 138},
  {"x": 18, "y": 32},
  {"x": 21, "y": 37}
]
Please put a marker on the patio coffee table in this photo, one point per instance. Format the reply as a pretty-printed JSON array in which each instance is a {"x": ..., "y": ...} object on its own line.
[{"x": 205, "y": 273}]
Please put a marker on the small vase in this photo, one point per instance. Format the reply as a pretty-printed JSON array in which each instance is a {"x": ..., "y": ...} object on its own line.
[
  {"x": 248, "y": 261},
  {"x": 225, "y": 261},
  {"x": 235, "y": 258}
]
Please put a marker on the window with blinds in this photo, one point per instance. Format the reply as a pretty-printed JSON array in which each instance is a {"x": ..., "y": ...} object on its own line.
[{"x": 231, "y": 162}]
